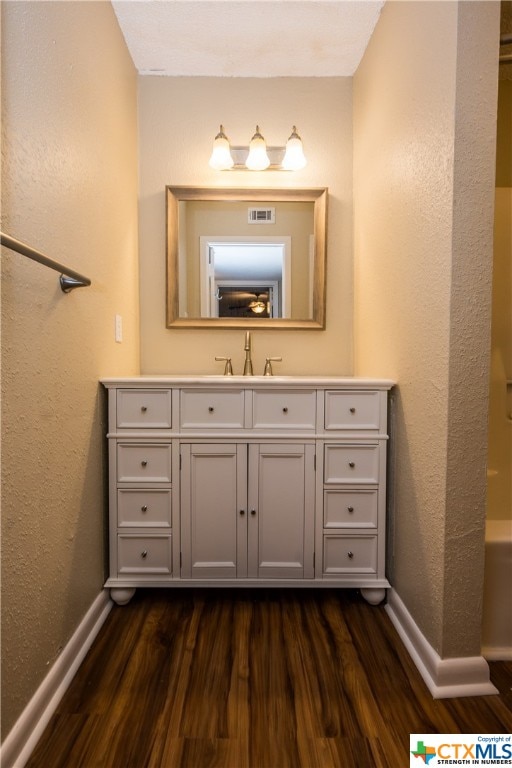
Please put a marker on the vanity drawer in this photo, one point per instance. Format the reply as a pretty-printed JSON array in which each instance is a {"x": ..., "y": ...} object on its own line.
[
  {"x": 350, "y": 509},
  {"x": 144, "y": 409},
  {"x": 354, "y": 464},
  {"x": 144, "y": 554},
  {"x": 143, "y": 462},
  {"x": 352, "y": 410},
  {"x": 284, "y": 409},
  {"x": 212, "y": 409},
  {"x": 350, "y": 554},
  {"x": 144, "y": 508}
]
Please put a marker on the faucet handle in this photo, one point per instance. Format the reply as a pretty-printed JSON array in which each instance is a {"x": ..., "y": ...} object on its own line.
[
  {"x": 268, "y": 365},
  {"x": 228, "y": 368}
]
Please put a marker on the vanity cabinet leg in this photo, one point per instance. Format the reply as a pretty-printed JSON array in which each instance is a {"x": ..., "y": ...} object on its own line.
[
  {"x": 373, "y": 595},
  {"x": 122, "y": 595}
]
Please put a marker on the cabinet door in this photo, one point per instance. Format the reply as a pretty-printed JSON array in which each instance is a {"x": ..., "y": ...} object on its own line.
[
  {"x": 281, "y": 511},
  {"x": 214, "y": 511}
]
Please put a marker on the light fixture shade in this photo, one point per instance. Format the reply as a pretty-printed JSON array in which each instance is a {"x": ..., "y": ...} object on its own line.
[
  {"x": 257, "y": 159},
  {"x": 294, "y": 158},
  {"x": 221, "y": 159}
]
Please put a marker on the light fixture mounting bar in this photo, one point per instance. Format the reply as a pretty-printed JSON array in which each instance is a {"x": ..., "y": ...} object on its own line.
[{"x": 275, "y": 155}]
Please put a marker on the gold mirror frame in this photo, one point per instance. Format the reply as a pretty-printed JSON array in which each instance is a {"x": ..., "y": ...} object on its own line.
[{"x": 175, "y": 195}]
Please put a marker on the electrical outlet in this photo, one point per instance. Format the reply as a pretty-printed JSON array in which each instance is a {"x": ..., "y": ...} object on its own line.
[{"x": 119, "y": 328}]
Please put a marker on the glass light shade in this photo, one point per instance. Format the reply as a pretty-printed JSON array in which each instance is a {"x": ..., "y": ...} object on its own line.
[
  {"x": 257, "y": 159},
  {"x": 294, "y": 158},
  {"x": 221, "y": 159}
]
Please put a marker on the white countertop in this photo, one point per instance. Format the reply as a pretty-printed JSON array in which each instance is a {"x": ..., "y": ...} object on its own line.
[{"x": 196, "y": 380}]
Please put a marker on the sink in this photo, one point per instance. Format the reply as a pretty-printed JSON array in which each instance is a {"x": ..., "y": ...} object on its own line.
[{"x": 255, "y": 379}]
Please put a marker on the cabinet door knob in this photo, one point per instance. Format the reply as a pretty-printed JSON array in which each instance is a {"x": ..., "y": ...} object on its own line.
[
  {"x": 351, "y": 464},
  {"x": 352, "y": 410},
  {"x": 144, "y": 554},
  {"x": 242, "y": 511},
  {"x": 143, "y": 408},
  {"x": 211, "y": 409},
  {"x": 253, "y": 512},
  {"x": 144, "y": 508},
  {"x": 350, "y": 509},
  {"x": 285, "y": 410},
  {"x": 350, "y": 555},
  {"x": 144, "y": 463}
]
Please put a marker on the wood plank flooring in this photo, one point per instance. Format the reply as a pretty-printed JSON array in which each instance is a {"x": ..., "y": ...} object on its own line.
[{"x": 253, "y": 679}]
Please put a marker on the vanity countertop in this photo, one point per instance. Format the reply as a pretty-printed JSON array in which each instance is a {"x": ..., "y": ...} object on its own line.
[{"x": 248, "y": 382}]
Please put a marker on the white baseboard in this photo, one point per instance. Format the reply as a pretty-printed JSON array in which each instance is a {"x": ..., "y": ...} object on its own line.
[
  {"x": 20, "y": 743},
  {"x": 445, "y": 678},
  {"x": 493, "y": 653}
]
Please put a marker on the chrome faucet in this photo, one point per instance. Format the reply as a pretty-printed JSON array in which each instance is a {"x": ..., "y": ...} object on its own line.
[{"x": 248, "y": 361}]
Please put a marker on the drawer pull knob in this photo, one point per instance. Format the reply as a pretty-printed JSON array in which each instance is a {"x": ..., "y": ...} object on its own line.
[
  {"x": 144, "y": 463},
  {"x": 144, "y": 554},
  {"x": 143, "y": 408},
  {"x": 242, "y": 512},
  {"x": 211, "y": 409},
  {"x": 352, "y": 410},
  {"x": 144, "y": 508},
  {"x": 285, "y": 410},
  {"x": 350, "y": 509},
  {"x": 350, "y": 555},
  {"x": 351, "y": 464}
]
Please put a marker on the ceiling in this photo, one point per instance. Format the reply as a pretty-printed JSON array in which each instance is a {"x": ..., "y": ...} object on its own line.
[{"x": 247, "y": 38}]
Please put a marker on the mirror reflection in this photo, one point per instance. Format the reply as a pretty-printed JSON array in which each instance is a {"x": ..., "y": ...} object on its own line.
[
  {"x": 244, "y": 277},
  {"x": 246, "y": 258}
]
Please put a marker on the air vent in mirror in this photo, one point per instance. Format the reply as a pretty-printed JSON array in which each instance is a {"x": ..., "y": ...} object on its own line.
[{"x": 262, "y": 215}]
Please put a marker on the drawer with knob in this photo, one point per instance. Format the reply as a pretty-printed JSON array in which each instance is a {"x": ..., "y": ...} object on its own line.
[
  {"x": 143, "y": 462},
  {"x": 144, "y": 508},
  {"x": 144, "y": 409},
  {"x": 212, "y": 409},
  {"x": 350, "y": 509},
  {"x": 282, "y": 409},
  {"x": 350, "y": 554},
  {"x": 351, "y": 464},
  {"x": 352, "y": 410},
  {"x": 144, "y": 554}
]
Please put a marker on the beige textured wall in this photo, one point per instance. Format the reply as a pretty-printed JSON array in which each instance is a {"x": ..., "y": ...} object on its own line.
[
  {"x": 69, "y": 188},
  {"x": 470, "y": 323},
  {"x": 178, "y": 120},
  {"x": 424, "y": 137}
]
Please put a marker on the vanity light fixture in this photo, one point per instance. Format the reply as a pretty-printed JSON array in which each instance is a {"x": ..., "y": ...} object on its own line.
[
  {"x": 221, "y": 158},
  {"x": 257, "y": 159},
  {"x": 257, "y": 156},
  {"x": 294, "y": 158}
]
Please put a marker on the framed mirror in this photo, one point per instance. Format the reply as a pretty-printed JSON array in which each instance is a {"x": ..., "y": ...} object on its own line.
[{"x": 246, "y": 258}]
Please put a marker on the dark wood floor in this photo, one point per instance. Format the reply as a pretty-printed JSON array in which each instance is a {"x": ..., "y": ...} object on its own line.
[{"x": 253, "y": 679}]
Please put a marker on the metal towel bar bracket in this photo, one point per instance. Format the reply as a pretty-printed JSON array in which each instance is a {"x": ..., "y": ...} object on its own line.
[{"x": 69, "y": 279}]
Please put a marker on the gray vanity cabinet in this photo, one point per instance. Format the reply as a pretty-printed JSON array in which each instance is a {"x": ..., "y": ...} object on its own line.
[{"x": 247, "y": 481}]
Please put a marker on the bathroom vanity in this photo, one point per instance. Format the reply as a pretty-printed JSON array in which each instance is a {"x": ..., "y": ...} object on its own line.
[{"x": 247, "y": 481}]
